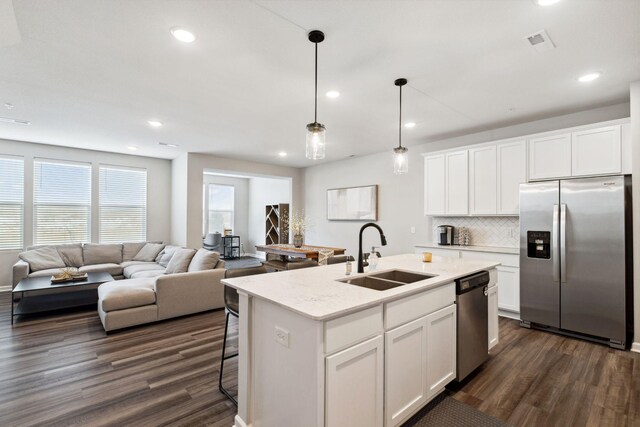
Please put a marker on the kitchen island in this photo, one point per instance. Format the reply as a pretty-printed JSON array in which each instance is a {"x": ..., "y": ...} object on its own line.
[{"x": 315, "y": 351}]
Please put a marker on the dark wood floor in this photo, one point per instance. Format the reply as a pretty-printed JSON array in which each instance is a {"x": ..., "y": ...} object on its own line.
[{"x": 63, "y": 370}]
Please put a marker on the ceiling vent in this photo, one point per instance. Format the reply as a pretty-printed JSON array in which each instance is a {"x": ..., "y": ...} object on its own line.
[{"x": 540, "y": 41}]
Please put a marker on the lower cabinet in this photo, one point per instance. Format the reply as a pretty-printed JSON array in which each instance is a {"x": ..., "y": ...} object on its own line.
[
  {"x": 354, "y": 385},
  {"x": 493, "y": 315},
  {"x": 509, "y": 282},
  {"x": 420, "y": 359}
]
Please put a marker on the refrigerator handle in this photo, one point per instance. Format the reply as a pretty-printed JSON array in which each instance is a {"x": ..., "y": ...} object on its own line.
[
  {"x": 554, "y": 244},
  {"x": 563, "y": 243}
]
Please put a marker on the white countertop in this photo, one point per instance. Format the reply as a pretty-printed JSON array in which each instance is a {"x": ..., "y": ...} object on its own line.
[
  {"x": 315, "y": 293},
  {"x": 493, "y": 249}
]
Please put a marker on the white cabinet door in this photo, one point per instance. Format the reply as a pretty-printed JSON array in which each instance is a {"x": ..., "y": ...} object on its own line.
[
  {"x": 493, "y": 316},
  {"x": 405, "y": 370},
  {"x": 457, "y": 183},
  {"x": 354, "y": 385},
  {"x": 512, "y": 171},
  {"x": 596, "y": 151},
  {"x": 482, "y": 180},
  {"x": 509, "y": 283},
  {"x": 441, "y": 349},
  {"x": 550, "y": 157},
  {"x": 434, "y": 185}
]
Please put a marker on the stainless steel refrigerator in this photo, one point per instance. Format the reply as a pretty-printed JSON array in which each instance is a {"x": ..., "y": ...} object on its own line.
[{"x": 576, "y": 273}]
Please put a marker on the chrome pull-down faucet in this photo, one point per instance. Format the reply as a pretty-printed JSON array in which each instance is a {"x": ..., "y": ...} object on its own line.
[{"x": 383, "y": 242}]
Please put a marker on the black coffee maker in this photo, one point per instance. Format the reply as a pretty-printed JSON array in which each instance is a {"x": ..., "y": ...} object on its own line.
[{"x": 445, "y": 234}]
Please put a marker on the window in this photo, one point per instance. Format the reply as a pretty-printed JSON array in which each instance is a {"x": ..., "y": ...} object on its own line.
[
  {"x": 11, "y": 202},
  {"x": 123, "y": 204},
  {"x": 61, "y": 202},
  {"x": 220, "y": 208}
]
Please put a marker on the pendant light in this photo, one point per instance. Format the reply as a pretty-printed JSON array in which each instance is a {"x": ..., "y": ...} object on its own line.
[
  {"x": 316, "y": 131},
  {"x": 400, "y": 156}
]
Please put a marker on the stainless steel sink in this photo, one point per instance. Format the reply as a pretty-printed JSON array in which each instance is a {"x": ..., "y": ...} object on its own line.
[{"x": 386, "y": 280}]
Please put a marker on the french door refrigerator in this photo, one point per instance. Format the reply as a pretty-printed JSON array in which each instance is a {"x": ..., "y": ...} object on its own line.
[{"x": 576, "y": 272}]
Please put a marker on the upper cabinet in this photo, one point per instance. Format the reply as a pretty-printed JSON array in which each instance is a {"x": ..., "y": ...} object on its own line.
[
  {"x": 550, "y": 157},
  {"x": 434, "y": 185},
  {"x": 596, "y": 151},
  {"x": 456, "y": 183},
  {"x": 483, "y": 179},
  {"x": 512, "y": 171}
]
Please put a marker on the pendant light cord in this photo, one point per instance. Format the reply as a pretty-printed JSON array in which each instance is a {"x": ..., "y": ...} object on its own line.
[
  {"x": 400, "y": 122},
  {"x": 315, "y": 113}
]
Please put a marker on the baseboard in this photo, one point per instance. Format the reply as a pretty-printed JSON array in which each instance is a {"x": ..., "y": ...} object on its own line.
[
  {"x": 635, "y": 347},
  {"x": 239, "y": 422},
  {"x": 509, "y": 314},
  {"x": 5, "y": 288}
]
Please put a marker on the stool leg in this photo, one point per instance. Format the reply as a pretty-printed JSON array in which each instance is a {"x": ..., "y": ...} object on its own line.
[{"x": 223, "y": 358}]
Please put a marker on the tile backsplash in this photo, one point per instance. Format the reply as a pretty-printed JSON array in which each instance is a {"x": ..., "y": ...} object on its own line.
[{"x": 500, "y": 231}]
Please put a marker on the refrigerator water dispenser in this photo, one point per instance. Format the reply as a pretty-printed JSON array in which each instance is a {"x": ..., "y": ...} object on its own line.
[{"x": 539, "y": 244}]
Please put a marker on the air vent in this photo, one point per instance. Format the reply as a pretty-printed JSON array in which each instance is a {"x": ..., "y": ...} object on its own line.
[
  {"x": 14, "y": 121},
  {"x": 540, "y": 41}
]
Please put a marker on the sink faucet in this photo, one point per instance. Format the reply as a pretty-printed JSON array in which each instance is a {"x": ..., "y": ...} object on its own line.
[{"x": 383, "y": 242}]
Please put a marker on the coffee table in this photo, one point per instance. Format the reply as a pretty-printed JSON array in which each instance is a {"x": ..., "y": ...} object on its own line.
[{"x": 84, "y": 294}]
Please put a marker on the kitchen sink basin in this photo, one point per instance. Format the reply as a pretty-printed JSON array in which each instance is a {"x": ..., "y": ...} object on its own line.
[{"x": 386, "y": 280}]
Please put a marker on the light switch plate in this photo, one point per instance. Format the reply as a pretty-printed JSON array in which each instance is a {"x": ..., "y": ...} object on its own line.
[
  {"x": 413, "y": 230},
  {"x": 282, "y": 337}
]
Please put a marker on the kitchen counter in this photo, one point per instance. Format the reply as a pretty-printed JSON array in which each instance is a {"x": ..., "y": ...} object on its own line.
[
  {"x": 316, "y": 294},
  {"x": 494, "y": 249}
]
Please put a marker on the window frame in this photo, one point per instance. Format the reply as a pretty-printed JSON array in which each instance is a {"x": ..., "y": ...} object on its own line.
[
  {"x": 21, "y": 204},
  {"x": 208, "y": 209}
]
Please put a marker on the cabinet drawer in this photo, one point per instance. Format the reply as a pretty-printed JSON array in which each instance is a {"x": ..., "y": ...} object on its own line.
[
  {"x": 412, "y": 307},
  {"x": 348, "y": 330},
  {"x": 509, "y": 260}
]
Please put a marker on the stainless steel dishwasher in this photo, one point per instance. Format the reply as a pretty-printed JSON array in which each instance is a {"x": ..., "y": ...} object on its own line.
[{"x": 472, "y": 323}]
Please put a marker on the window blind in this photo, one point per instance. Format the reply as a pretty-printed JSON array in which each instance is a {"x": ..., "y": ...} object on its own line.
[
  {"x": 123, "y": 204},
  {"x": 221, "y": 208},
  {"x": 61, "y": 202},
  {"x": 11, "y": 202}
]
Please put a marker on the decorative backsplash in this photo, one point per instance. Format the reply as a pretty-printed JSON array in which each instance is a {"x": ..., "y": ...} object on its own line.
[{"x": 500, "y": 231}]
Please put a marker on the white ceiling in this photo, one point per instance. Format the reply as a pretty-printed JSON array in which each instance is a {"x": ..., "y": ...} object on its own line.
[{"x": 90, "y": 73}]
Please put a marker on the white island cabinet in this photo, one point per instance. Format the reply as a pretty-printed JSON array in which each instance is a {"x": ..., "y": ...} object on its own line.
[{"x": 321, "y": 353}]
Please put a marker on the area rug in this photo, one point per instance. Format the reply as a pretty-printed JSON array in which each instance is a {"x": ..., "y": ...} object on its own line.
[
  {"x": 242, "y": 262},
  {"x": 445, "y": 411}
]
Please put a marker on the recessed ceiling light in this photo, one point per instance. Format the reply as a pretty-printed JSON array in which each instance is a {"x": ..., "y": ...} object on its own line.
[
  {"x": 132, "y": 147},
  {"x": 15, "y": 121},
  {"x": 410, "y": 125},
  {"x": 333, "y": 94},
  {"x": 546, "y": 2},
  {"x": 282, "y": 154},
  {"x": 588, "y": 77},
  {"x": 183, "y": 35},
  {"x": 166, "y": 144},
  {"x": 154, "y": 123},
  {"x": 8, "y": 106}
]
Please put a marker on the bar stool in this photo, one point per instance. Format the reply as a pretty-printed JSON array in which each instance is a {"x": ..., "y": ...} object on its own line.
[{"x": 232, "y": 307}]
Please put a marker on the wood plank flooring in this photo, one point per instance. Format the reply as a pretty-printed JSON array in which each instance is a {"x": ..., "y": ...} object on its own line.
[{"x": 63, "y": 370}]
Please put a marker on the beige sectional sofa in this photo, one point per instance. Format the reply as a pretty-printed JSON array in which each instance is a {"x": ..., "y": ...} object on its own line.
[{"x": 153, "y": 281}]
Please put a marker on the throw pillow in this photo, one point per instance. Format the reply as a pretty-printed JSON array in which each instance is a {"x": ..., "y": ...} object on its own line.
[
  {"x": 71, "y": 254},
  {"x": 131, "y": 249},
  {"x": 180, "y": 261},
  {"x": 167, "y": 254},
  {"x": 149, "y": 252},
  {"x": 99, "y": 253},
  {"x": 43, "y": 258},
  {"x": 204, "y": 260}
]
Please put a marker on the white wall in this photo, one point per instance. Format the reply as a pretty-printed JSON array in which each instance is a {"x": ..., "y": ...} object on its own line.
[
  {"x": 179, "y": 175},
  {"x": 158, "y": 195},
  {"x": 187, "y": 224},
  {"x": 401, "y": 197},
  {"x": 635, "y": 167},
  {"x": 240, "y": 202},
  {"x": 262, "y": 192}
]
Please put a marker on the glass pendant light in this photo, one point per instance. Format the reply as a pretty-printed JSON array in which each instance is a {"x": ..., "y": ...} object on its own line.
[
  {"x": 316, "y": 131},
  {"x": 400, "y": 155}
]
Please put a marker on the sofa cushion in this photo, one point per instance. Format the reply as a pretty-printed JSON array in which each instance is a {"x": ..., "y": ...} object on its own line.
[
  {"x": 71, "y": 254},
  {"x": 95, "y": 253},
  {"x": 112, "y": 269},
  {"x": 147, "y": 266},
  {"x": 204, "y": 260},
  {"x": 180, "y": 261},
  {"x": 166, "y": 254},
  {"x": 131, "y": 249},
  {"x": 148, "y": 273},
  {"x": 47, "y": 272},
  {"x": 126, "y": 294},
  {"x": 126, "y": 264},
  {"x": 43, "y": 258},
  {"x": 149, "y": 252}
]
